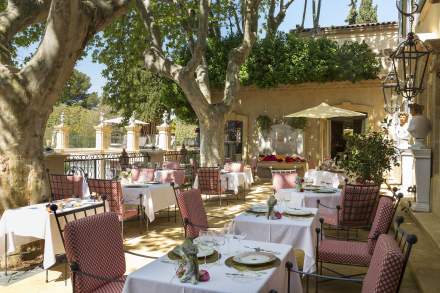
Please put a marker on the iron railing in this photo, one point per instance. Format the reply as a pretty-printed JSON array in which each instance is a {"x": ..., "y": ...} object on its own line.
[{"x": 103, "y": 166}]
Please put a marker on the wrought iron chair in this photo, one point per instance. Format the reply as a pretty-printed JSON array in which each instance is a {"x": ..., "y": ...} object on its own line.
[
  {"x": 283, "y": 179},
  {"x": 64, "y": 217},
  {"x": 356, "y": 209},
  {"x": 112, "y": 191},
  {"x": 210, "y": 182},
  {"x": 97, "y": 263},
  {"x": 355, "y": 253},
  {"x": 386, "y": 269},
  {"x": 63, "y": 186}
]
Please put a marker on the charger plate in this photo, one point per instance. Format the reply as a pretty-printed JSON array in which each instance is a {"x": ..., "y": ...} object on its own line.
[
  {"x": 262, "y": 267},
  {"x": 209, "y": 259}
]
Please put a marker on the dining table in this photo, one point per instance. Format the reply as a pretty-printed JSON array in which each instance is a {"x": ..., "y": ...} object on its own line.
[
  {"x": 325, "y": 178},
  {"x": 295, "y": 230},
  {"x": 23, "y": 225},
  {"x": 152, "y": 196},
  {"x": 160, "y": 275},
  {"x": 232, "y": 180},
  {"x": 329, "y": 197}
]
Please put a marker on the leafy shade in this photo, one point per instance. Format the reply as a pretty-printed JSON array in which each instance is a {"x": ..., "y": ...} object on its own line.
[
  {"x": 76, "y": 91},
  {"x": 289, "y": 59},
  {"x": 367, "y": 12},
  {"x": 368, "y": 156}
]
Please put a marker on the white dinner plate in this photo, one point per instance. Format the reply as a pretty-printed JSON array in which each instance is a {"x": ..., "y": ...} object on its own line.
[
  {"x": 326, "y": 190},
  {"x": 204, "y": 251},
  {"x": 298, "y": 212},
  {"x": 254, "y": 258},
  {"x": 258, "y": 208}
]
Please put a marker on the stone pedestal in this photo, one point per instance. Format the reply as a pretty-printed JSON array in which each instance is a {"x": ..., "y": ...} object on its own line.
[
  {"x": 422, "y": 170},
  {"x": 61, "y": 137},
  {"x": 164, "y": 137},
  {"x": 103, "y": 136},
  {"x": 133, "y": 134},
  {"x": 407, "y": 169}
]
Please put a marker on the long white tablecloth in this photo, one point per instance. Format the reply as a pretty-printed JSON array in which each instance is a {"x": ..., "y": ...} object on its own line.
[
  {"x": 296, "y": 231},
  {"x": 155, "y": 197},
  {"x": 159, "y": 276},
  {"x": 232, "y": 180},
  {"x": 27, "y": 224},
  {"x": 324, "y": 178},
  {"x": 308, "y": 198}
]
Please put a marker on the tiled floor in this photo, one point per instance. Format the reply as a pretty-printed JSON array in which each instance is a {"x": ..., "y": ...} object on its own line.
[{"x": 164, "y": 235}]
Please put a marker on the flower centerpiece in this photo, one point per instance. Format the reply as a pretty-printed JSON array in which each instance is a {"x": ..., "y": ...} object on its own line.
[
  {"x": 299, "y": 183},
  {"x": 271, "y": 202},
  {"x": 188, "y": 270},
  {"x": 125, "y": 176}
]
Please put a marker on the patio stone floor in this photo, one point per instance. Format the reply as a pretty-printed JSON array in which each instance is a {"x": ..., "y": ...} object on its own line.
[{"x": 164, "y": 234}]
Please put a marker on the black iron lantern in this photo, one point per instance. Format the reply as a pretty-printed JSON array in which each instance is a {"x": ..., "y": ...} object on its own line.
[
  {"x": 410, "y": 60},
  {"x": 391, "y": 96}
]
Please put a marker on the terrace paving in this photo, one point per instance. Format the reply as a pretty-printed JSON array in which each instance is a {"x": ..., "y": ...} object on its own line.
[{"x": 163, "y": 235}]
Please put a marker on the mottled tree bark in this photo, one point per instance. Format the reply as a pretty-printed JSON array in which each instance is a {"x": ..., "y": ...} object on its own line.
[{"x": 28, "y": 94}]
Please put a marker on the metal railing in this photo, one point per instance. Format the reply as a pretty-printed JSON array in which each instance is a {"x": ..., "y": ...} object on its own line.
[{"x": 103, "y": 166}]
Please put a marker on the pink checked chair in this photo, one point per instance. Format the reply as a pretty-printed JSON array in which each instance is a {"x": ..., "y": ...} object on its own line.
[
  {"x": 95, "y": 252},
  {"x": 386, "y": 269},
  {"x": 282, "y": 179},
  {"x": 65, "y": 186},
  {"x": 192, "y": 211},
  {"x": 112, "y": 190},
  {"x": 356, "y": 208},
  {"x": 209, "y": 182},
  {"x": 175, "y": 176},
  {"x": 146, "y": 174},
  {"x": 170, "y": 165},
  {"x": 356, "y": 253}
]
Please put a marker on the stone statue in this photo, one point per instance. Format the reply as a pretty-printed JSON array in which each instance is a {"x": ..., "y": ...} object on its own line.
[
  {"x": 188, "y": 270},
  {"x": 271, "y": 202},
  {"x": 165, "y": 118},
  {"x": 401, "y": 133},
  {"x": 62, "y": 118},
  {"x": 101, "y": 118},
  {"x": 419, "y": 127},
  {"x": 131, "y": 121}
]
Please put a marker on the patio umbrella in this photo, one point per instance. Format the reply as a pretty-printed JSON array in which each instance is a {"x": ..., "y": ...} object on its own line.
[
  {"x": 119, "y": 120},
  {"x": 324, "y": 111}
]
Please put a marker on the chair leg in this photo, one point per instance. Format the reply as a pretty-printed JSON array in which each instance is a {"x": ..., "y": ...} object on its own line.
[
  {"x": 65, "y": 273},
  {"x": 47, "y": 276},
  {"x": 6, "y": 254},
  {"x": 175, "y": 213}
]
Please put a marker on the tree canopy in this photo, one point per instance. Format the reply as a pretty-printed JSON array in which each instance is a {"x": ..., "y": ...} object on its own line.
[
  {"x": 76, "y": 91},
  {"x": 366, "y": 13}
]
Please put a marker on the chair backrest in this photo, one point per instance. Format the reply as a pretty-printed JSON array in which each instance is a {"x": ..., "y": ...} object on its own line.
[
  {"x": 168, "y": 176},
  {"x": 282, "y": 180},
  {"x": 209, "y": 180},
  {"x": 192, "y": 211},
  {"x": 382, "y": 221},
  {"x": 171, "y": 165},
  {"x": 65, "y": 186},
  {"x": 387, "y": 266},
  {"x": 95, "y": 245},
  {"x": 111, "y": 190},
  {"x": 143, "y": 174},
  {"x": 358, "y": 202}
]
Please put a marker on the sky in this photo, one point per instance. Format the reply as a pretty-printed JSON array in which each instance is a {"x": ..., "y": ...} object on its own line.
[{"x": 333, "y": 12}]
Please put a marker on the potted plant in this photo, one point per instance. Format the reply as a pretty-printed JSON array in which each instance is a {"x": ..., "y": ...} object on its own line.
[{"x": 368, "y": 156}]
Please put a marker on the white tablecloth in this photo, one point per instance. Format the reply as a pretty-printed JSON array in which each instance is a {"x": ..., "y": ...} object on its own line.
[
  {"x": 159, "y": 276},
  {"x": 232, "y": 180},
  {"x": 155, "y": 197},
  {"x": 27, "y": 224},
  {"x": 296, "y": 231},
  {"x": 308, "y": 198},
  {"x": 324, "y": 178}
]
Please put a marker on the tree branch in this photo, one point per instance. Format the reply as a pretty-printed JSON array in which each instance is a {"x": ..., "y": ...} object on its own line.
[
  {"x": 273, "y": 22},
  {"x": 238, "y": 55},
  {"x": 16, "y": 17}
]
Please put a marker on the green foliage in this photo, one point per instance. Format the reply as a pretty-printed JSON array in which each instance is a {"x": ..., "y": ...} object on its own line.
[
  {"x": 80, "y": 122},
  {"x": 76, "y": 89},
  {"x": 297, "y": 122},
  {"x": 184, "y": 130},
  {"x": 352, "y": 14},
  {"x": 367, "y": 12},
  {"x": 289, "y": 59},
  {"x": 368, "y": 156},
  {"x": 264, "y": 123},
  {"x": 130, "y": 87}
]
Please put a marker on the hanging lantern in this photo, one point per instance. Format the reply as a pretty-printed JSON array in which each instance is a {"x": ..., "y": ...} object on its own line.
[
  {"x": 391, "y": 97},
  {"x": 410, "y": 60}
]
